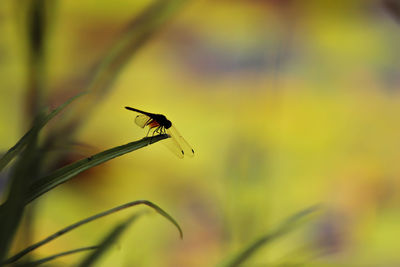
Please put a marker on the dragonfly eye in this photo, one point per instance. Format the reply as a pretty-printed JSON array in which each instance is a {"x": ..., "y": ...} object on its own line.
[{"x": 168, "y": 124}]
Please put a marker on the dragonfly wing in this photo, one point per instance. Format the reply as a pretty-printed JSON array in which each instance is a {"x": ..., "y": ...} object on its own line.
[
  {"x": 175, "y": 135},
  {"x": 174, "y": 147},
  {"x": 142, "y": 120}
]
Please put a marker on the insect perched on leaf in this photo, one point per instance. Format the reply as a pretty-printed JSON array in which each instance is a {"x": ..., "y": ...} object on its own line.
[{"x": 158, "y": 123}]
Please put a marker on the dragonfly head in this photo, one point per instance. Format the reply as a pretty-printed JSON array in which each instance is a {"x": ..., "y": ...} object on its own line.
[{"x": 167, "y": 124}]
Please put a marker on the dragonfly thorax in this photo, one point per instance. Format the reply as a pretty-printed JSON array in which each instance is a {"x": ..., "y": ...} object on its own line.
[{"x": 162, "y": 120}]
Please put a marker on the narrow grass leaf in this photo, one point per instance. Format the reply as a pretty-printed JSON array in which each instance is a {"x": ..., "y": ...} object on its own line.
[
  {"x": 107, "y": 242},
  {"x": 17, "y": 148},
  {"x": 90, "y": 219},
  {"x": 58, "y": 255},
  {"x": 165, "y": 215},
  {"x": 36, "y": 31},
  {"x": 26, "y": 168},
  {"x": 283, "y": 229},
  {"x": 64, "y": 174}
]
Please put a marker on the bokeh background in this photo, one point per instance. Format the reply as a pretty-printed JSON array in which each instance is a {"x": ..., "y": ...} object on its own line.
[{"x": 287, "y": 104}]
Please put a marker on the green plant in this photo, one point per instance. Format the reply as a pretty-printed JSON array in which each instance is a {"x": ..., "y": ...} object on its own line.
[
  {"x": 22, "y": 191},
  {"x": 26, "y": 181},
  {"x": 284, "y": 228}
]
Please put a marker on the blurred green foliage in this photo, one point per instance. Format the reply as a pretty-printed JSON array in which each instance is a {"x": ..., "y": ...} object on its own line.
[{"x": 287, "y": 104}]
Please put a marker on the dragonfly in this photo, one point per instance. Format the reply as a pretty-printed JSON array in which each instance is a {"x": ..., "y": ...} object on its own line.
[{"x": 158, "y": 123}]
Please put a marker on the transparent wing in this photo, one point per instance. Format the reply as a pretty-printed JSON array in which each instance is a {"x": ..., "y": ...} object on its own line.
[
  {"x": 180, "y": 141},
  {"x": 174, "y": 147},
  {"x": 142, "y": 120}
]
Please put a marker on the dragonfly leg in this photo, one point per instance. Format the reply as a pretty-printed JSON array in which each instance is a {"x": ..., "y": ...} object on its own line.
[
  {"x": 161, "y": 130},
  {"x": 148, "y": 132},
  {"x": 155, "y": 131}
]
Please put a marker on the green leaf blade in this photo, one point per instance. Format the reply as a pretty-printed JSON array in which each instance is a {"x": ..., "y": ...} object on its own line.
[
  {"x": 64, "y": 174},
  {"x": 58, "y": 255},
  {"x": 17, "y": 148},
  {"x": 108, "y": 240},
  {"x": 71, "y": 227},
  {"x": 255, "y": 246}
]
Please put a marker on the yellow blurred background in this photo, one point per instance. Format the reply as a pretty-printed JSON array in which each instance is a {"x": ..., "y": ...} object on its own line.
[{"x": 286, "y": 103}]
